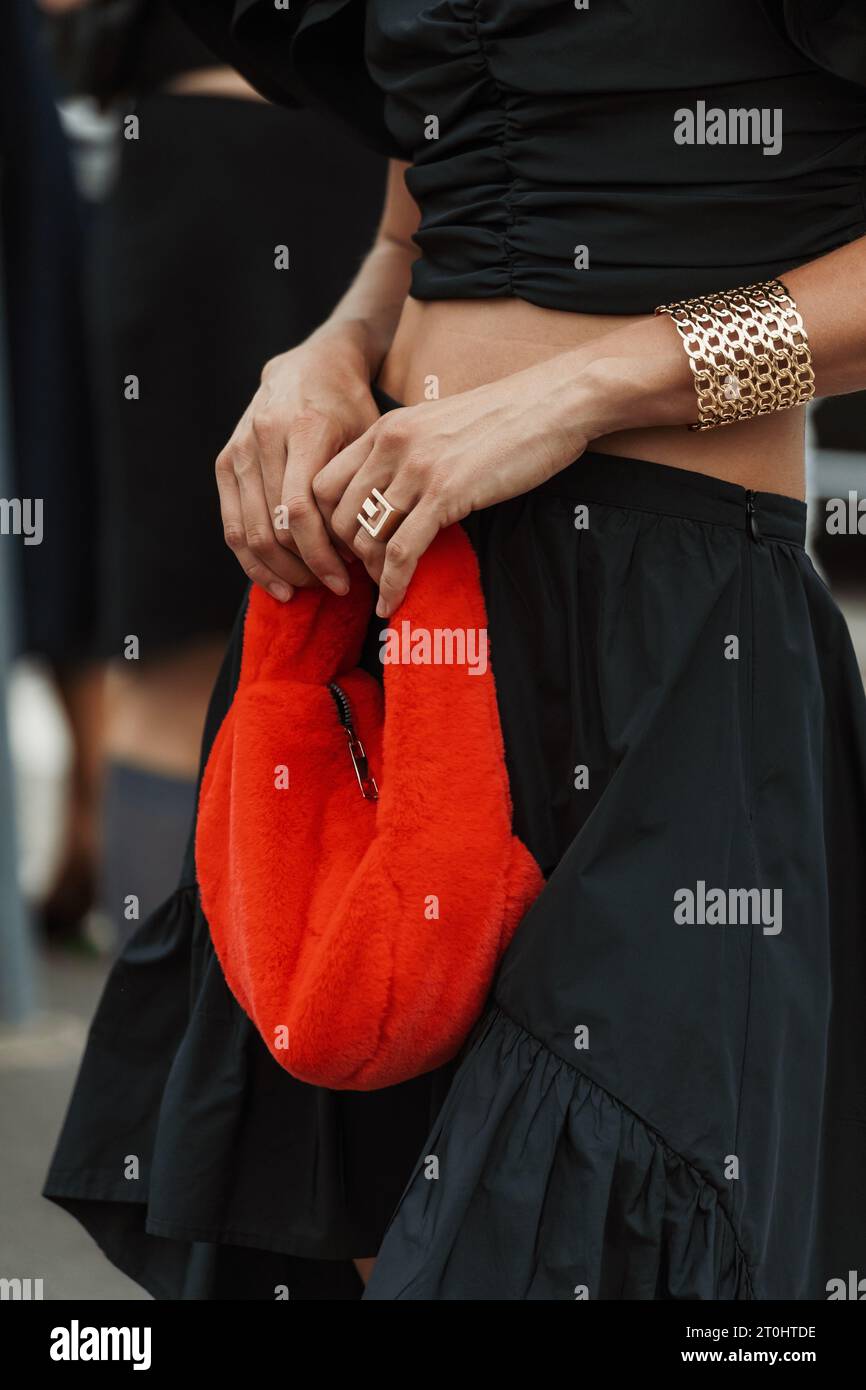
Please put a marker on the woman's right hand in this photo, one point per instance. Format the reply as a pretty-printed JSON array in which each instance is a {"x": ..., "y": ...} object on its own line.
[{"x": 313, "y": 401}]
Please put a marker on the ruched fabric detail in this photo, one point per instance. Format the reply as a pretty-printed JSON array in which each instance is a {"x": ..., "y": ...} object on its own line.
[
  {"x": 544, "y": 158},
  {"x": 545, "y": 140},
  {"x": 598, "y": 1206},
  {"x": 832, "y": 33}
]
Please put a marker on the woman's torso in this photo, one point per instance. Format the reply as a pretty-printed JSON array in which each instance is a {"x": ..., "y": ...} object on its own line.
[
  {"x": 467, "y": 343},
  {"x": 575, "y": 166},
  {"x": 574, "y": 160}
]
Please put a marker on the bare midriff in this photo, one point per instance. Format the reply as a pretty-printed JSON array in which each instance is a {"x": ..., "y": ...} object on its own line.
[{"x": 469, "y": 343}]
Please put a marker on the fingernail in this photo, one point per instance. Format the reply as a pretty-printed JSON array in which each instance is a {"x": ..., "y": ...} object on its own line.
[
  {"x": 281, "y": 592},
  {"x": 335, "y": 583},
  {"x": 381, "y": 609}
]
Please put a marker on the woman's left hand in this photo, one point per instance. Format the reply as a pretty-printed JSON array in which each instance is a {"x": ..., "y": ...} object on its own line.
[{"x": 440, "y": 460}]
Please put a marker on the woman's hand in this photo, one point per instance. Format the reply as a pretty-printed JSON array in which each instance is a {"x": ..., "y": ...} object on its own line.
[
  {"x": 441, "y": 460},
  {"x": 313, "y": 401}
]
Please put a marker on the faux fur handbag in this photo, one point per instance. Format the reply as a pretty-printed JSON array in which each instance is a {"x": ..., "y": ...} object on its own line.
[{"x": 354, "y": 853}]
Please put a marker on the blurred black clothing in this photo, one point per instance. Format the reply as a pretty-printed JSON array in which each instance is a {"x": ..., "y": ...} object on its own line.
[
  {"x": 166, "y": 47},
  {"x": 113, "y": 48},
  {"x": 840, "y": 422},
  {"x": 188, "y": 299},
  {"x": 51, "y": 440}
]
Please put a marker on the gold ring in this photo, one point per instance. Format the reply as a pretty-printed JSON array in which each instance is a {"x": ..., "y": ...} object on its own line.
[{"x": 379, "y": 517}]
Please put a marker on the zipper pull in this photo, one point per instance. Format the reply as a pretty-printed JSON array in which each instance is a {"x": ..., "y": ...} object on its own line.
[
  {"x": 752, "y": 516},
  {"x": 366, "y": 780}
]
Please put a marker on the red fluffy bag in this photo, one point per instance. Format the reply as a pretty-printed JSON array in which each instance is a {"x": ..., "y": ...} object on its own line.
[{"x": 359, "y": 926}]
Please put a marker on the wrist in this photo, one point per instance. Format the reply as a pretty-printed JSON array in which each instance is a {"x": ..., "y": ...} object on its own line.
[
  {"x": 637, "y": 377},
  {"x": 359, "y": 336}
]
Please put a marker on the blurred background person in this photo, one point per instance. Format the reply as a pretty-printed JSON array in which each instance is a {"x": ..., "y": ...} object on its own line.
[
  {"x": 230, "y": 229},
  {"x": 50, "y": 452}
]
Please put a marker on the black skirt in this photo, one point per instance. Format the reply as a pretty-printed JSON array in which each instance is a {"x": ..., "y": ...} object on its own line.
[
  {"x": 667, "y": 1096},
  {"x": 652, "y": 1108},
  {"x": 188, "y": 298}
]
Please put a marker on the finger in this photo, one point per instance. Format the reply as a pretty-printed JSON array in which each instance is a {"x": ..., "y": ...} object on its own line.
[
  {"x": 389, "y": 458},
  {"x": 371, "y": 549},
  {"x": 330, "y": 483},
  {"x": 271, "y": 446},
  {"x": 378, "y": 475},
  {"x": 308, "y": 447},
  {"x": 402, "y": 554},
  {"x": 230, "y": 501},
  {"x": 258, "y": 573},
  {"x": 258, "y": 528},
  {"x": 234, "y": 533},
  {"x": 235, "y": 538},
  {"x": 313, "y": 544},
  {"x": 371, "y": 552},
  {"x": 311, "y": 440},
  {"x": 290, "y": 547}
]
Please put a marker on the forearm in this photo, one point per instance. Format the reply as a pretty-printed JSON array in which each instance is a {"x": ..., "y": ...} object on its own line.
[
  {"x": 639, "y": 376},
  {"x": 370, "y": 309}
]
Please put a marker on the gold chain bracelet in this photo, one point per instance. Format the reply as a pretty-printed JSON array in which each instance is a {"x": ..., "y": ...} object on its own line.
[{"x": 748, "y": 350}]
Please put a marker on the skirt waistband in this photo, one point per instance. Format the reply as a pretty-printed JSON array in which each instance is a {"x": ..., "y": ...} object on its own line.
[{"x": 638, "y": 485}]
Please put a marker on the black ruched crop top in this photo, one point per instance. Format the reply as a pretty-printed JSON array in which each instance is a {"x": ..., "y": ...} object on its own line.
[{"x": 598, "y": 156}]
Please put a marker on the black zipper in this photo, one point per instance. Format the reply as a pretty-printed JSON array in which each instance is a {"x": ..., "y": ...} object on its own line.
[
  {"x": 366, "y": 780},
  {"x": 753, "y": 537}
]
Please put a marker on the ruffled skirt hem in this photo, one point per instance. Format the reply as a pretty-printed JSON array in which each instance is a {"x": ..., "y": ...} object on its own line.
[{"x": 538, "y": 1184}]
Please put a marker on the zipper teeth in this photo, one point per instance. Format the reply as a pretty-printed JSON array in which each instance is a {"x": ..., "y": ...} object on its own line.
[{"x": 341, "y": 700}]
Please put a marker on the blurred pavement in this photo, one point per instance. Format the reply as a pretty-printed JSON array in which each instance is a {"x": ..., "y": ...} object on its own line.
[{"x": 37, "y": 1068}]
